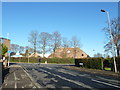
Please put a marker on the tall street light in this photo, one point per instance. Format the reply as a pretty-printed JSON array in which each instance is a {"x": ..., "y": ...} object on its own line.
[
  {"x": 111, "y": 37},
  {"x": 28, "y": 50}
]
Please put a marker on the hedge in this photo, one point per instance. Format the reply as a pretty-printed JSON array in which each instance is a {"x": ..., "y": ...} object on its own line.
[
  {"x": 98, "y": 63},
  {"x": 49, "y": 60},
  {"x": 95, "y": 63}
]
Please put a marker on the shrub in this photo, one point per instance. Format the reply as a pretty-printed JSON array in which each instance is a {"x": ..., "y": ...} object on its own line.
[
  {"x": 49, "y": 60},
  {"x": 95, "y": 63}
]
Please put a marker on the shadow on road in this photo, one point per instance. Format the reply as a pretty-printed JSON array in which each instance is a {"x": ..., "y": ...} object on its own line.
[{"x": 4, "y": 74}]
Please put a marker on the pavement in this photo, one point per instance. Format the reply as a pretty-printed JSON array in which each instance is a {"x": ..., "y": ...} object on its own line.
[{"x": 16, "y": 77}]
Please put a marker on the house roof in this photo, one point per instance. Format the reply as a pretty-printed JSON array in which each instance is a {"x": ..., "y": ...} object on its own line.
[
  {"x": 4, "y": 38},
  {"x": 69, "y": 52},
  {"x": 35, "y": 55},
  {"x": 17, "y": 55}
]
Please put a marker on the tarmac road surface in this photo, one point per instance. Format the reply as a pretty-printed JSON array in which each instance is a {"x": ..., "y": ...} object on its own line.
[{"x": 57, "y": 76}]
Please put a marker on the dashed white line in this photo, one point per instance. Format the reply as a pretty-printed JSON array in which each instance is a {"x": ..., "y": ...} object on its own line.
[
  {"x": 48, "y": 68},
  {"x": 15, "y": 80},
  {"x": 105, "y": 83},
  {"x": 66, "y": 72},
  {"x": 116, "y": 81}
]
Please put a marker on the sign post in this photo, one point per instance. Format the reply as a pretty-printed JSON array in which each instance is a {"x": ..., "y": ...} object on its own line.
[{"x": 9, "y": 57}]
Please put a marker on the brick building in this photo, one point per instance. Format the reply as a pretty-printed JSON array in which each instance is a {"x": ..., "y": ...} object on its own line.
[
  {"x": 69, "y": 53},
  {"x": 5, "y": 42}
]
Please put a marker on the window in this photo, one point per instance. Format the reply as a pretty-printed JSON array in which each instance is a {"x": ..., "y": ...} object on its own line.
[
  {"x": 2, "y": 40},
  {"x": 68, "y": 51},
  {"x": 82, "y": 54}
]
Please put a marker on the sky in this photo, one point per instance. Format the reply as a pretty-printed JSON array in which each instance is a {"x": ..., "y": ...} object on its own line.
[{"x": 81, "y": 19}]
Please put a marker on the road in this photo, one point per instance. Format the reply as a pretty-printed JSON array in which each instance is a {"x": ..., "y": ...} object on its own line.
[{"x": 57, "y": 76}]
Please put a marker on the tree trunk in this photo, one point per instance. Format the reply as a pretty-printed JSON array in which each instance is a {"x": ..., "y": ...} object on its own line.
[{"x": 118, "y": 52}]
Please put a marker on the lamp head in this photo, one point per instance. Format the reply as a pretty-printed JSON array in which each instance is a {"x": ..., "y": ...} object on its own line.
[{"x": 102, "y": 10}]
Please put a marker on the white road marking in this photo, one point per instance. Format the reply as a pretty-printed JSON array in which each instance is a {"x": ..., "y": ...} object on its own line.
[
  {"x": 48, "y": 67},
  {"x": 105, "y": 83},
  {"x": 108, "y": 79},
  {"x": 15, "y": 80},
  {"x": 66, "y": 72},
  {"x": 38, "y": 86},
  {"x": 54, "y": 79},
  {"x": 78, "y": 83},
  {"x": 75, "y": 74}
]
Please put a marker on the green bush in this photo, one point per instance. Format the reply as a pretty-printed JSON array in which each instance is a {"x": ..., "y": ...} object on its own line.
[
  {"x": 95, "y": 63},
  {"x": 49, "y": 60}
]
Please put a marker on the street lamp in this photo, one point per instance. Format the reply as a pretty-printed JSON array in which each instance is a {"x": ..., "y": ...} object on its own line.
[
  {"x": 28, "y": 51},
  {"x": 113, "y": 52}
]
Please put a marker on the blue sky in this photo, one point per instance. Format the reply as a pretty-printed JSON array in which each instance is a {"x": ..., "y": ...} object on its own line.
[{"x": 81, "y": 19}]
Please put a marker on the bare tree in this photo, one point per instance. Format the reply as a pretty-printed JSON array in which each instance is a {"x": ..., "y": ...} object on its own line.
[
  {"x": 14, "y": 47},
  {"x": 44, "y": 42},
  {"x": 115, "y": 27},
  {"x": 33, "y": 39},
  {"x": 21, "y": 49},
  {"x": 65, "y": 42},
  {"x": 98, "y": 55},
  {"x": 56, "y": 40},
  {"x": 75, "y": 43},
  {"x": 65, "y": 45}
]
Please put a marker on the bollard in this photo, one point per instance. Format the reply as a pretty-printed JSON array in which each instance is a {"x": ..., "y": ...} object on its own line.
[
  {"x": 45, "y": 62},
  {"x": 1, "y": 68}
]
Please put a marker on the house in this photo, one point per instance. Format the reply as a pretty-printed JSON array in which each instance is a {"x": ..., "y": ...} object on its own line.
[
  {"x": 17, "y": 55},
  {"x": 5, "y": 42},
  {"x": 39, "y": 55},
  {"x": 34, "y": 55},
  {"x": 69, "y": 53},
  {"x": 45, "y": 55}
]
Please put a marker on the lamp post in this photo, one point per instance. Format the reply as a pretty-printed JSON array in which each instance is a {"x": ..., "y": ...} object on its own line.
[
  {"x": 111, "y": 37},
  {"x": 28, "y": 51}
]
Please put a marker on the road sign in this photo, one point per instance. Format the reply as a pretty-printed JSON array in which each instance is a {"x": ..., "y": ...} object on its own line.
[
  {"x": 9, "y": 58},
  {"x": 9, "y": 51}
]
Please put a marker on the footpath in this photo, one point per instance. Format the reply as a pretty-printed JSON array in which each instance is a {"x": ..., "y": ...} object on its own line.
[{"x": 16, "y": 77}]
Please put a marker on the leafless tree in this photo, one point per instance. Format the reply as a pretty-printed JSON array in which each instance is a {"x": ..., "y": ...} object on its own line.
[
  {"x": 115, "y": 27},
  {"x": 33, "y": 39},
  {"x": 21, "y": 49},
  {"x": 44, "y": 42},
  {"x": 56, "y": 40},
  {"x": 14, "y": 47},
  {"x": 28, "y": 51},
  {"x": 65, "y": 42},
  {"x": 75, "y": 43},
  {"x": 65, "y": 45},
  {"x": 98, "y": 55}
]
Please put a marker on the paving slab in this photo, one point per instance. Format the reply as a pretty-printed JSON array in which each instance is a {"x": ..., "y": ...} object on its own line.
[{"x": 17, "y": 78}]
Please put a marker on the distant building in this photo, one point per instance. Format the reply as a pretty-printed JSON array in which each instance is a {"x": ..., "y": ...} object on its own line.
[
  {"x": 69, "y": 53},
  {"x": 5, "y": 42},
  {"x": 34, "y": 55},
  {"x": 39, "y": 55},
  {"x": 17, "y": 55}
]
